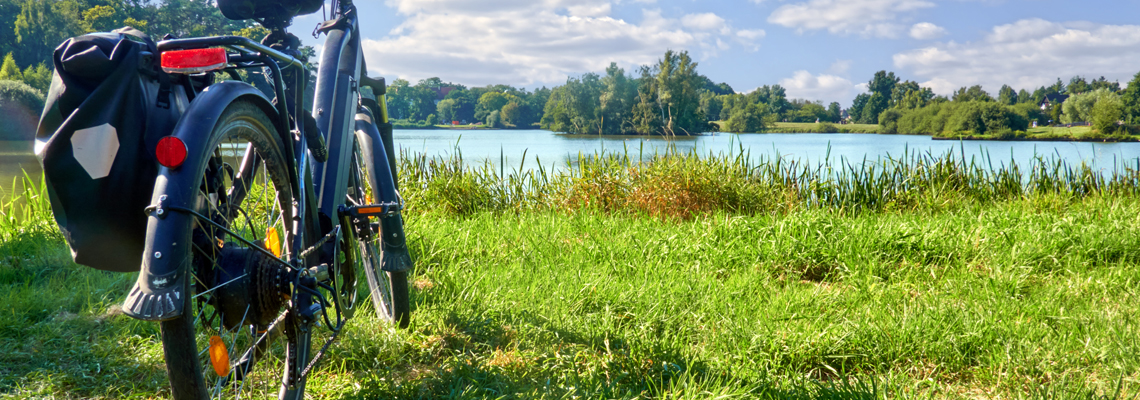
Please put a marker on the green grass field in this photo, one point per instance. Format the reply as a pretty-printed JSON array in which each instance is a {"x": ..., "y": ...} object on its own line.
[{"x": 592, "y": 286}]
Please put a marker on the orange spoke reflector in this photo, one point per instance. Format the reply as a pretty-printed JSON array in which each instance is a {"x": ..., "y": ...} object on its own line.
[
  {"x": 273, "y": 241},
  {"x": 219, "y": 356},
  {"x": 193, "y": 61}
]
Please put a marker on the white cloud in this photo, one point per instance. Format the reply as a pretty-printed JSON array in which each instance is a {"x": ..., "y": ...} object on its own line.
[
  {"x": 867, "y": 18},
  {"x": 1028, "y": 54},
  {"x": 828, "y": 88},
  {"x": 840, "y": 67},
  {"x": 926, "y": 31},
  {"x": 704, "y": 22},
  {"x": 751, "y": 34},
  {"x": 526, "y": 42}
]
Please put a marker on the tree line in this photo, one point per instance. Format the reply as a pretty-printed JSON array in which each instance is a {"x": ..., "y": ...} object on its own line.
[
  {"x": 905, "y": 107},
  {"x": 668, "y": 97}
]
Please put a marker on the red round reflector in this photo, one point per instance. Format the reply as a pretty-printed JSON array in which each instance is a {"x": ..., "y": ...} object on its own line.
[{"x": 171, "y": 152}]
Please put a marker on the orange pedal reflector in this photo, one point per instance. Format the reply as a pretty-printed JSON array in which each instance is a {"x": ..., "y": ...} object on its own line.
[
  {"x": 273, "y": 241},
  {"x": 371, "y": 210},
  {"x": 219, "y": 356}
]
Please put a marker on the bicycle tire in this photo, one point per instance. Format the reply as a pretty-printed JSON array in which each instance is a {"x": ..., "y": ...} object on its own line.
[
  {"x": 387, "y": 289},
  {"x": 191, "y": 375}
]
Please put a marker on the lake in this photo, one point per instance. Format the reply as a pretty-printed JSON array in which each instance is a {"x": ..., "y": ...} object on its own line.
[{"x": 553, "y": 150}]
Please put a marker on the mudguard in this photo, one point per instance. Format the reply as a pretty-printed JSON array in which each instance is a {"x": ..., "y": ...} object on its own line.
[
  {"x": 394, "y": 257},
  {"x": 156, "y": 296}
]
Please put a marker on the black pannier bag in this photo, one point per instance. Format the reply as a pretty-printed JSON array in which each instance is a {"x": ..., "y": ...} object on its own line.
[
  {"x": 271, "y": 10},
  {"x": 108, "y": 106}
]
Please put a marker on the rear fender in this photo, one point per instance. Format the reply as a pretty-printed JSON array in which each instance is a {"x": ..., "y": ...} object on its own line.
[{"x": 157, "y": 295}]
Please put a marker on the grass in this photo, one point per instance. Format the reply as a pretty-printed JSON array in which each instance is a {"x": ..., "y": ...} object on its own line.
[
  {"x": 681, "y": 277},
  {"x": 807, "y": 127}
]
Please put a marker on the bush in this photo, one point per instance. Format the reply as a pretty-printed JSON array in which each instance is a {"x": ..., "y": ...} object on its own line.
[
  {"x": 430, "y": 120},
  {"x": 748, "y": 118},
  {"x": 20, "y": 106},
  {"x": 889, "y": 121},
  {"x": 827, "y": 127},
  {"x": 16, "y": 92},
  {"x": 981, "y": 117}
]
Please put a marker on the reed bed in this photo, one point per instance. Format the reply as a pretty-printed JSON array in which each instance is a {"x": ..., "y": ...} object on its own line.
[{"x": 684, "y": 184}]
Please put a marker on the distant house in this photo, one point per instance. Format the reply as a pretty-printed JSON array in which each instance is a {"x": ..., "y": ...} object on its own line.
[{"x": 1052, "y": 100}]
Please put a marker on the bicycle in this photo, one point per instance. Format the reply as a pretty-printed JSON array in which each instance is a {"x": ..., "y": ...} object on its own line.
[{"x": 262, "y": 215}]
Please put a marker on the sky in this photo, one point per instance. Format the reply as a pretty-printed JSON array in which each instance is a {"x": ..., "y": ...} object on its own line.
[{"x": 824, "y": 50}]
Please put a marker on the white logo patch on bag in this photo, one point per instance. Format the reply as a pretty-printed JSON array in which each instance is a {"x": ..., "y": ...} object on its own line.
[{"x": 95, "y": 149}]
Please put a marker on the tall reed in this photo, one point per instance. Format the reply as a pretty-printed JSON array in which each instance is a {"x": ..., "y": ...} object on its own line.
[{"x": 683, "y": 184}]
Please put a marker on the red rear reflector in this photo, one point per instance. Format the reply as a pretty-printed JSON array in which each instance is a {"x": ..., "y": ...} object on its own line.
[
  {"x": 171, "y": 152},
  {"x": 193, "y": 61}
]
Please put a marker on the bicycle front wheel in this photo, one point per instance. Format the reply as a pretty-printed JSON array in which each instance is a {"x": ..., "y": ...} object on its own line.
[{"x": 237, "y": 337}]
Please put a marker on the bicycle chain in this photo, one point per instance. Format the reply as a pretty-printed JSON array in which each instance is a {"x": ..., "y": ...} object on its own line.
[
  {"x": 316, "y": 359},
  {"x": 319, "y": 243}
]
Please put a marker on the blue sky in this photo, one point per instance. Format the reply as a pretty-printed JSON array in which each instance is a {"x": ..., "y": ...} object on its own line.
[{"x": 818, "y": 49}]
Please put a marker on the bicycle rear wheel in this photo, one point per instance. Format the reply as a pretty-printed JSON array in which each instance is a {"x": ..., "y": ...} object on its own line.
[
  {"x": 237, "y": 336},
  {"x": 388, "y": 289}
]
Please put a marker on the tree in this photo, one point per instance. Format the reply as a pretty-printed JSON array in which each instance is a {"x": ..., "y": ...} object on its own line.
[
  {"x": 857, "y": 106},
  {"x": 1007, "y": 96},
  {"x": 102, "y": 18},
  {"x": 1101, "y": 83},
  {"x": 1078, "y": 108},
  {"x": 447, "y": 110},
  {"x": 399, "y": 99},
  {"x": 833, "y": 112},
  {"x": 678, "y": 94},
  {"x": 464, "y": 104},
  {"x": 1023, "y": 96},
  {"x": 774, "y": 96},
  {"x": 915, "y": 99},
  {"x": 616, "y": 101},
  {"x": 489, "y": 102},
  {"x": 1131, "y": 100},
  {"x": 902, "y": 89},
  {"x": 881, "y": 86},
  {"x": 1078, "y": 85},
  {"x": 9, "y": 71},
  {"x": 38, "y": 76},
  {"x": 493, "y": 119},
  {"x": 1106, "y": 113},
  {"x": 973, "y": 93}
]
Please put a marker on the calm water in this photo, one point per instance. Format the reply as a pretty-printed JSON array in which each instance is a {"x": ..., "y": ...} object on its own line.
[{"x": 554, "y": 150}]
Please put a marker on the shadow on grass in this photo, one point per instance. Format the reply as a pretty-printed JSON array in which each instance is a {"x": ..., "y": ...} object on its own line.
[{"x": 62, "y": 335}]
